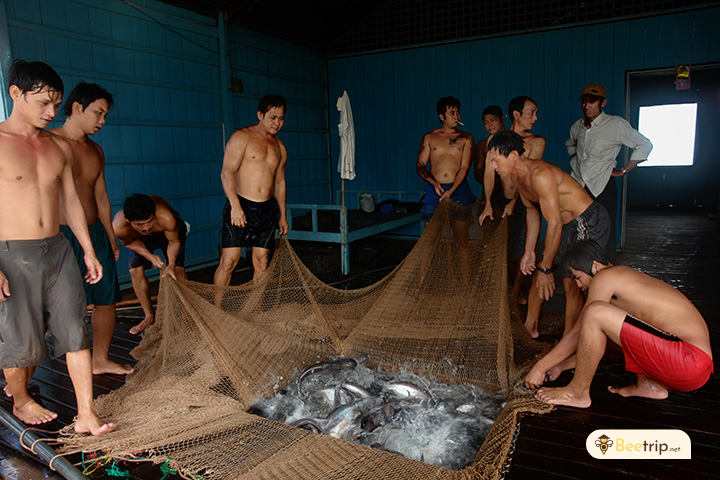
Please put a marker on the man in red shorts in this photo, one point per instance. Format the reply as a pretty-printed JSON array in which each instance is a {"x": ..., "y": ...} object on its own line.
[{"x": 663, "y": 336}]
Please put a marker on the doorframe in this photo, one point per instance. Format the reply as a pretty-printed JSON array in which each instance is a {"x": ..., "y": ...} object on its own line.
[{"x": 629, "y": 75}]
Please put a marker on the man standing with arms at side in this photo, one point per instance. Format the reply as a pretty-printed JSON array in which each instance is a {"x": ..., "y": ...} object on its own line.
[
  {"x": 449, "y": 153},
  {"x": 594, "y": 143},
  {"x": 253, "y": 178},
  {"x": 85, "y": 110},
  {"x": 39, "y": 280}
]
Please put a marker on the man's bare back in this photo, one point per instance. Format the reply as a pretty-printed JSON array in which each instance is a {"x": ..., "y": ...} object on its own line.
[
  {"x": 164, "y": 221},
  {"x": 654, "y": 302},
  {"x": 536, "y": 181}
]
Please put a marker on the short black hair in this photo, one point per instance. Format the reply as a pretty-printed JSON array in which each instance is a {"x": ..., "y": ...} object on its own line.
[
  {"x": 269, "y": 101},
  {"x": 493, "y": 110},
  {"x": 138, "y": 206},
  {"x": 505, "y": 142},
  {"x": 580, "y": 257},
  {"x": 517, "y": 104},
  {"x": 34, "y": 76},
  {"x": 85, "y": 94},
  {"x": 446, "y": 102}
]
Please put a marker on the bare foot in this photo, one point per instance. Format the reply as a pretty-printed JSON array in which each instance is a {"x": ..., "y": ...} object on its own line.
[
  {"x": 108, "y": 366},
  {"x": 32, "y": 413},
  {"x": 532, "y": 330},
  {"x": 645, "y": 387},
  {"x": 563, "y": 396},
  {"x": 93, "y": 425},
  {"x": 137, "y": 329}
]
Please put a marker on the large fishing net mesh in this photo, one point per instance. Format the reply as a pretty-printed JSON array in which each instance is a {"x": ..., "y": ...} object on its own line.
[{"x": 443, "y": 312}]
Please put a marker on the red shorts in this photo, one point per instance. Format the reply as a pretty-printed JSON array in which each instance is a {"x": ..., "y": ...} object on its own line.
[{"x": 664, "y": 357}]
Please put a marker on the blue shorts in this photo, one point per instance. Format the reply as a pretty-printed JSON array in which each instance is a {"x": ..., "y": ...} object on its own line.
[
  {"x": 107, "y": 290},
  {"x": 158, "y": 240},
  {"x": 462, "y": 196}
]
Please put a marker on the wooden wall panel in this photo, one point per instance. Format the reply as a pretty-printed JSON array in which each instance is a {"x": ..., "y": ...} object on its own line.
[
  {"x": 549, "y": 66},
  {"x": 165, "y": 134}
]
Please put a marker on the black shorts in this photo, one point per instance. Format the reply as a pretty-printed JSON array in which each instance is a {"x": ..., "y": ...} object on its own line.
[
  {"x": 259, "y": 231},
  {"x": 158, "y": 240}
]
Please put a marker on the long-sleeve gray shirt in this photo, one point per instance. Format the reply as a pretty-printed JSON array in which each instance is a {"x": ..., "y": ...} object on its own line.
[{"x": 594, "y": 150}]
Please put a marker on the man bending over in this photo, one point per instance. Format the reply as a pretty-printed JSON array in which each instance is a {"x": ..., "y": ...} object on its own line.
[
  {"x": 145, "y": 224},
  {"x": 570, "y": 213}
]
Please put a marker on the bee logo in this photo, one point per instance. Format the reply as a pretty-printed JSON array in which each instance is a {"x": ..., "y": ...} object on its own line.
[{"x": 603, "y": 443}]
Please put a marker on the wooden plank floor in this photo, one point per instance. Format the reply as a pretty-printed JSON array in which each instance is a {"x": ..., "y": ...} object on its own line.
[{"x": 682, "y": 249}]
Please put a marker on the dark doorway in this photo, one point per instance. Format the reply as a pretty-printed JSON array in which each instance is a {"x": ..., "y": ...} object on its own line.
[{"x": 695, "y": 186}]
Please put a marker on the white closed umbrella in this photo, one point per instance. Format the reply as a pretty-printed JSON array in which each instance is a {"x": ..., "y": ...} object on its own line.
[{"x": 346, "y": 130}]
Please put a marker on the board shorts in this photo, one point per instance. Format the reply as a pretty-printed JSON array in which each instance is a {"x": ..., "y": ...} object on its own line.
[
  {"x": 158, "y": 240},
  {"x": 462, "y": 196},
  {"x": 259, "y": 231},
  {"x": 107, "y": 290},
  {"x": 663, "y": 357},
  {"x": 592, "y": 224},
  {"x": 46, "y": 288}
]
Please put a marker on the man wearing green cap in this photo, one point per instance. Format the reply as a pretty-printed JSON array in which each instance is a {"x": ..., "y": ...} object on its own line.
[{"x": 594, "y": 143}]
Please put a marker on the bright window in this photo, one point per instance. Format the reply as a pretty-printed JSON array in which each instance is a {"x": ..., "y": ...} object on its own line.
[{"x": 671, "y": 129}]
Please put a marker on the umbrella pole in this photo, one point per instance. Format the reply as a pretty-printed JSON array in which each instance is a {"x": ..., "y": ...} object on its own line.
[{"x": 344, "y": 254}]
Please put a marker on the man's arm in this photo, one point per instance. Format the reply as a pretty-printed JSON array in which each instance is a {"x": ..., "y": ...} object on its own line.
[
  {"x": 545, "y": 186},
  {"x": 170, "y": 224},
  {"x": 4, "y": 287},
  {"x": 532, "y": 220},
  {"x": 234, "y": 152},
  {"x": 75, "y": 216},
  {"x": 465, "y": 162},
  {"x": 122, "y": 232},
  {"x": 103, "y": 205},
  {"x": 636, "y": 141},
  {"x": 603, "y": 291},
  {"x": 421, "y": 167},
  {"x": 280, "y": 192}
]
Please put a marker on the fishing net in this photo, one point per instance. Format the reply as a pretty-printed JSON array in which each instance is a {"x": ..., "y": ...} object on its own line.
[{"x": 443, "y": 312}]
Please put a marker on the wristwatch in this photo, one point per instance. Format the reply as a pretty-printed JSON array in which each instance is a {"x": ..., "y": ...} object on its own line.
[
  {"x": 623, "y": 170},
  {"x": 546, "y": 271}
]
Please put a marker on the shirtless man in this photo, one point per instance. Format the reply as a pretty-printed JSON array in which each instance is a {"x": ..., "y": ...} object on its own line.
[
  {"x": 36, "y": 262},
  {"x": 145, "y": 224},
  {"x": 449, "y": 152},
  {"x": 570, "y": 213},
  {"x": 663, "y": 337},
  {"x": 253, "y": 178},
  {"x": 85, "y": 110}
]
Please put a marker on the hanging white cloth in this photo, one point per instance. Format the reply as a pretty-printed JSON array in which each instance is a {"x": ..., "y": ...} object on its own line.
[{"x": 346, "y": 130}]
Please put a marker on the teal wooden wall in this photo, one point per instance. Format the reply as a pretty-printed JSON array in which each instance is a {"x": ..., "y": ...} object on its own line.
[
  {"x": 165, "y": 134},
  {"x": 394, "y": 93}
]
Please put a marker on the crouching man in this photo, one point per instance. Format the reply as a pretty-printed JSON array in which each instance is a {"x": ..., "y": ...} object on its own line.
[{"x": 663, "y": 337}]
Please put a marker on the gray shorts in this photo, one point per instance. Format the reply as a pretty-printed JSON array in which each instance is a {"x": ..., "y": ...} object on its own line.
[
  {"x": 592, "y": 224},
  {"x": 45, "y": 287}
]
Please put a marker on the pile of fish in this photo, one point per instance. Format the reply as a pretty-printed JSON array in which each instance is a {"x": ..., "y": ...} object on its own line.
[{"x": 398, "y": 412}]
